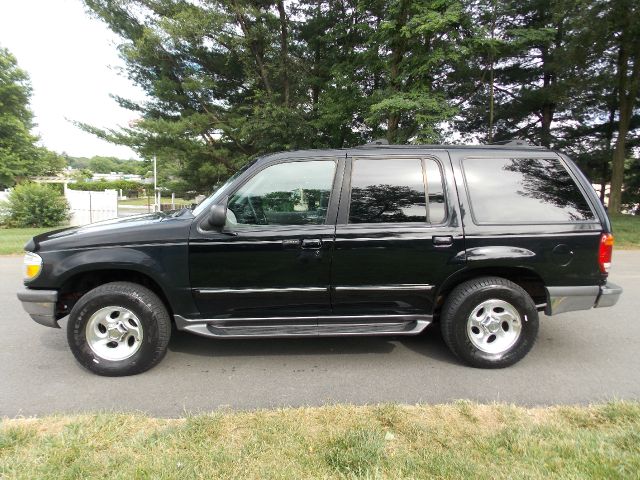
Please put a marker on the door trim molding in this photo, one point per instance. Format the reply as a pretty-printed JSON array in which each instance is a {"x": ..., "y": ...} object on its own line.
[
  {"x": 405, "y": 287},
  {"x": 409, "y": 287},
  {"x": 213, "y": 291}
]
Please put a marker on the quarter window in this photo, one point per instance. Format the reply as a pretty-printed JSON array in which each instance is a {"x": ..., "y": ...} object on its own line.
[
  {"x": 294, "y": 193},
  {"x": 435, "y": 192},
  {"x": 393, "y": 191},
  {"x": 523, "y": 190}
]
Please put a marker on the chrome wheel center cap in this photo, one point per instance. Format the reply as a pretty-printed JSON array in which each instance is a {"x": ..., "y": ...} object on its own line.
[
  {"x": 491, "y": 325},
  {"x": 116, "y": 331}
]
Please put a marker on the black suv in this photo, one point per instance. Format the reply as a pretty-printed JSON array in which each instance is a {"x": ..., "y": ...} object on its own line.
[{"x": 375, "y": 240}]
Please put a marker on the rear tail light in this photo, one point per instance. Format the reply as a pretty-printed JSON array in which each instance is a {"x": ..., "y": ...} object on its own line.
[{"x": 606, "y": 249}]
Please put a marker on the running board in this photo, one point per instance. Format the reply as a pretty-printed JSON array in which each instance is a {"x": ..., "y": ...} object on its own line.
[{"x": 305, "y": 326}]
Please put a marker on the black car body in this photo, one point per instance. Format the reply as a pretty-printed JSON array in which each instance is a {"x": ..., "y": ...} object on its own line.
[{"x": 367, "y": 241}]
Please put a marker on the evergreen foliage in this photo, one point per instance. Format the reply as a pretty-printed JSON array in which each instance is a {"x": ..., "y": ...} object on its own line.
[{"x": 227, "y": 80}]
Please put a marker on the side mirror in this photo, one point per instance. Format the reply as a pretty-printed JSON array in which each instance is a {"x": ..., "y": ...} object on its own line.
[{"x": 217, "y": 215}]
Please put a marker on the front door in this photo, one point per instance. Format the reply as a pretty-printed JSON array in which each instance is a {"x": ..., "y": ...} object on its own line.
[
  {"x": 397, "y": 236},
  {"x": 273, "y": 257}
]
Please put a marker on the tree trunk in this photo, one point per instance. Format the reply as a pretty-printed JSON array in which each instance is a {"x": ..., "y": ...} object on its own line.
[
  {"x": 284, "y": 51},
  {"x": 547, "y": 110},
  {"x": 398, "y": 47},
  {"x": 547, "y": 120},
  {"x": 491, "y": 102},
  {"x": 629, "y": 49},
  {"x": 548, "y": 107},
  {"x": 257, "y": 55},
  {"x": 617, "y": 166},
  {"x": 491, "y": 72},
  {"x": 609, "y": 137},
  {"x": 550, "y": 78}
]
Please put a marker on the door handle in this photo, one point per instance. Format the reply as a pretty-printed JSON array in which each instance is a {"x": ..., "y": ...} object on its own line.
[
  {"x": 312, "y": 243},
  {"x": 291, "y": 244},
  {"x": 443, "y": 241}
]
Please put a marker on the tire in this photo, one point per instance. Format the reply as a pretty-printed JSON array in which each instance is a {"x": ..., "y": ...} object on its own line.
[
  {"x": 484, "y": 307},
  {"x": 119, "y": 329}
]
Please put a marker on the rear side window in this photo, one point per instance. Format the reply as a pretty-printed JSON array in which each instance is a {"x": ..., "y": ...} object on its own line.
[
  {"x": 395, "y": 191},
  {"x": 523, "y": 190},
  {"x": 435, "y": 191}
]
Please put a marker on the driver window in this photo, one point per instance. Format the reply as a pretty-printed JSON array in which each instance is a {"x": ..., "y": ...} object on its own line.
[{"x": 294, "y": 193}]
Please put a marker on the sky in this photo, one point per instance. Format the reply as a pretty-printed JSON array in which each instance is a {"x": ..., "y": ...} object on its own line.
[{"x": 73, "y": 64}]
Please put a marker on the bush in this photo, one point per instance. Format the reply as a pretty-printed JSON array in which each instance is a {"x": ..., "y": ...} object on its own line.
[
  {"x": 100, "y": 185},
  {"x": 4, "y": 212},
  {"x": 36, "y": 205}
]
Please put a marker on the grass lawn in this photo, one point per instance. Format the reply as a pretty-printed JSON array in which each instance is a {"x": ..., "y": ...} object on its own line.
[
  {"x": 140, "y": 201},
  {"x": 12, "y": 240},
  {"x": 626, "y": 230},
  {"x": 458, "y": 441}
]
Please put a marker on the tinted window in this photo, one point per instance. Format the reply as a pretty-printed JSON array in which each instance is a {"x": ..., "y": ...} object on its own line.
[
  {"x": 387, "y": 191},
  {"x": 435, "y": 190},
  {"x": 523, "y": 190},
  {"x": 295, "y": 193}
]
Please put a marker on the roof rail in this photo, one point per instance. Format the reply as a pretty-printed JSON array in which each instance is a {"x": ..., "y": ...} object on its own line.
[
  {"x": 505, "y": 144},
  {"x": 514, "y": 142}
]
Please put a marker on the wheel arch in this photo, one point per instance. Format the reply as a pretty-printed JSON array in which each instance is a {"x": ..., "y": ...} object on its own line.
[
  {"x": 86, "y": 269},
  {"x": 79, "y": 283},
  {"x": 526, "y": 278}
]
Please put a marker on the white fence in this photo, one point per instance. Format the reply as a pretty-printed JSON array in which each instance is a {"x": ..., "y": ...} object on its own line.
[{"x": 89, "y": 207}]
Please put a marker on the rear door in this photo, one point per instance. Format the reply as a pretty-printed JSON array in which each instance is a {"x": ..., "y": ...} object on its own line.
[{"x": 398, "y": 233}]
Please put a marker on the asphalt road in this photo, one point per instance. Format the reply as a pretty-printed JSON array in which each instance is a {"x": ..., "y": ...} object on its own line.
[{"x": 580, "y": 357}]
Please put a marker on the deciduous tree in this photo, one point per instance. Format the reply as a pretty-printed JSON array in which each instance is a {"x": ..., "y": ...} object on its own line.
[{"x": 19, "y": 155}]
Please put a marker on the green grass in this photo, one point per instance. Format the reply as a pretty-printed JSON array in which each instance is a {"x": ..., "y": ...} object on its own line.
[
  {"x": 458, "y": 441},
  {"x": 141, "y": 201},
  {"x": 626, "y": 230},
  {"x": 12, "y": 240}
]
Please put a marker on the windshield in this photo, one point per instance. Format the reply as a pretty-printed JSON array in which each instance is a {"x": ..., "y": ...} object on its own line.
[{"x": 210, "y": 200}]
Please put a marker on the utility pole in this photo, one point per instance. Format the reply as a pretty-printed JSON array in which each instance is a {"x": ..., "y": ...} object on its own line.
[{"x": 155, "y": 185}]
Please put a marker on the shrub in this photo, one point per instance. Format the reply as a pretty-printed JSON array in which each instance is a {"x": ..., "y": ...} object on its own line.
[
  {"x": 100, "y": 185},
  {"x": 36, "y": 205},
  {"x": 4, "y": 212}
]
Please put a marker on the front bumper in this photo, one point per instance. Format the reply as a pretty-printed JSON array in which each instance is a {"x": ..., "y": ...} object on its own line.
[
  {"x": 40, "y": 305},
  {"x": 569, "y": 299}
]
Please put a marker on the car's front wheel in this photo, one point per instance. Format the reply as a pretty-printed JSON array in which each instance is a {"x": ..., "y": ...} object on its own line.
[
  {"x": 119, "y": 328},
  {"x": 489, "y": 322}
]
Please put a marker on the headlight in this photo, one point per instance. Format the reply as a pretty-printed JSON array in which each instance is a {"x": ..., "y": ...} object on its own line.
[{"x": 32, "y": 266}]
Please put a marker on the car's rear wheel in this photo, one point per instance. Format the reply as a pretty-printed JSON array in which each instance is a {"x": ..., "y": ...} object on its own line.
[
  {"x": 489, "y": 322},
  {"x": 119, "y": 328}
]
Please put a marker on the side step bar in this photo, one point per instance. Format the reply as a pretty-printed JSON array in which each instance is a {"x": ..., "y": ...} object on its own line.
[{"x": 305, "y": 326}]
